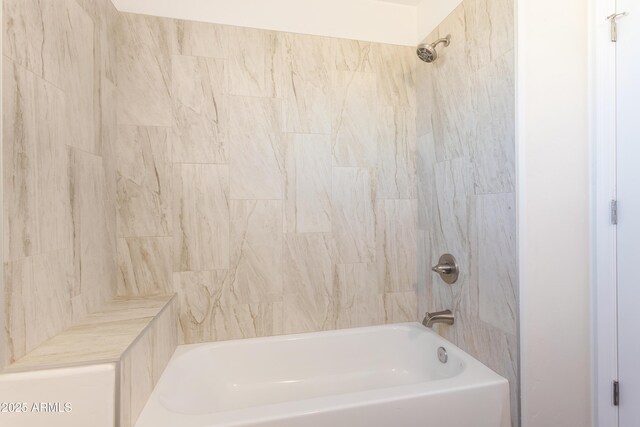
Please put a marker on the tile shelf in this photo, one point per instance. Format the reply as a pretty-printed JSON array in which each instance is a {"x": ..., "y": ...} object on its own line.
[{"x": 100, "y": 337}]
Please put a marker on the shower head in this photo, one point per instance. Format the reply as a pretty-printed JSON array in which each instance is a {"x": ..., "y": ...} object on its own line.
[{"x": 427, "y": 51}]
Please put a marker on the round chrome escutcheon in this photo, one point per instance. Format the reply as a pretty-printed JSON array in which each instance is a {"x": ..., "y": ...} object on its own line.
[{"x": 442, "y": 354}]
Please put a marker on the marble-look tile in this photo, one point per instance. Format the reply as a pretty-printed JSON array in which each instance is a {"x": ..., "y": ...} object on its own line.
[
  {"x": 354, "y": 55},
  {"x": 490, "y": 30},
  {"x": 19, "y": 162},
  {"x": 307, "y": 185},
  {"x": 308, "y": 283},
  {"x": 256, "y": 148},
  {"x": 54, "y": 39},
  {"x": 23, "y": 34},
  {"x": 493, "y": 145},
  {"x": 97, "y": 338},
  {"x": 254, "y": 62},
  {"x": 354, "y": 111},
  {"x": 143, "y": 181},
  {"x": 20, "y": 317},
  {"x": 202, "y": 39},
  {"x": 37, "y": 193},
  {"x": 38, "y": 293},
  {"x": 454, "y": 184},
  {"x": 108, "y": 135},
  {"x": 400, "y": 307},
  {"x": 199, "y": 110},
  {"x": 200, "y": 217},
  {"x": 397, "y": 154},
  {"x": 255, "y": 271},
  {"x": 427, "y": 200},
  {"x": 306, "y": 83},
  {"x": 105, "y": 19},
  {"x": 492, "y": 347},
  {"x": 97, "y": 255},
  {"x": 143, "y": 363},
  {"x": 496, "y": 254},
  {"x": 359, "y": 300},
  {"x": 425, "y": 278},
  {"x": 453, "y": 118},
  {"x": 205, "y": 315},
  {"x": 144, "y": 266},
  {"x": 396, "y": 246},
  {"x": 465, "y": 155},
  {"x": 199, "y": 293},
  {"x": 145, "y": 44},
  {"x": 395, "y": 67},
  {"x": 353, "y": 215}
]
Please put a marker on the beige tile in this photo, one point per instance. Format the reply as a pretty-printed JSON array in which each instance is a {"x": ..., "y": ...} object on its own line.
[
  {"x": 54, "y": 40},
  {"x": 307, "y": 184},
  {"x": 397, "y": 154},
  {"x": 23, "y": 30},
  {"x": 199, "y": 293},
  {"x": 400, "y": 307},
  {"x": 202, "y": 39},
  {"x": 354, "y": 113},
  {"x": 97, "y": 338},
  {"x": 353, "y": 215},
  {"x": 199, "y": 110},
  {"x": 396, "y": 247},
  {"x": 105, "y": 19},
  {"x": 20, "y": 138},
  {"x": 395, "y": 67},
  {"x": 144, "y": 266},
  {"x": 306, "y": 83},
  {"x": 308, "y": 283},
  {"x": 354, "y": 55},
  {"x": 201, "y": 217},
  {"x": 143, "y": 181},
  {"x": 493, "y": 146},
  {"x": 254, "y": 61},
  {"x": 255, "y": 274},
  {"x": 358, "y": 296},
  {"x": 496, "y": 254},
  {"x": 490, "y": 30},
  {"x": 205, "y": 315},
  {"x": 39, "y": 291},
  {"x": 20, "y": 313},
  {"x": 97, "y": 255},
  {"x": 143, "y": 363},
  {"x": 256, "y": 148},
  {"x": 37, "y": 213},
  {"x": 145, "y": 44}
]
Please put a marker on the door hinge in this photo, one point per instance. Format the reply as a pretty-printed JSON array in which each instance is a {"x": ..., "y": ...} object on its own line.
[
  {"x": 616, "y": 393},
  {"x": 614, "y": 212},
  {"x": 614, "y": 25}
]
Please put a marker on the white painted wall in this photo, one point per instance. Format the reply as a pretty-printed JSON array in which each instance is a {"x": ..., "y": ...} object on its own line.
[
  {"x": 553, "y": 193},
  {"x": 430, "y": 13},
  {"x": 370, "y": 20}
]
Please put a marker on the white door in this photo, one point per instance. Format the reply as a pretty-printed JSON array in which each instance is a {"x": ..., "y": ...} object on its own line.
[{"x": 628, "y": 195}]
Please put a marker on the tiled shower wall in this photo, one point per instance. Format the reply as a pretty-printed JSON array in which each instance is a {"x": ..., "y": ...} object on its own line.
[
  {"x": 268, "y": 178},
  {"x": 466, "y": 182},
  {"x": 59, "y": 108}
]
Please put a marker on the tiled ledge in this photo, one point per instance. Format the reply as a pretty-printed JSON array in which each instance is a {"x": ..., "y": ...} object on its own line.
[{"x": 101, "y": 337}]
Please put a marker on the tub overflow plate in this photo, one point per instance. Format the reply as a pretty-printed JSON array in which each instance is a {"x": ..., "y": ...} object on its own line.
[{"x": 442, "y": 355}]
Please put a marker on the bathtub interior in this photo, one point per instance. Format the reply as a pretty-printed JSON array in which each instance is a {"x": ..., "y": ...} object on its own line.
[{"x": 234, "y": 375}]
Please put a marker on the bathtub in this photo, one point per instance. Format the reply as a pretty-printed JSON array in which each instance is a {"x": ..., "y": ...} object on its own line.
[{"x": 378, "y": 376}]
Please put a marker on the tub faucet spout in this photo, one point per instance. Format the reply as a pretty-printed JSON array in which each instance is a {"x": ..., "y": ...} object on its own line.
[{"x": 444, "y": 316}]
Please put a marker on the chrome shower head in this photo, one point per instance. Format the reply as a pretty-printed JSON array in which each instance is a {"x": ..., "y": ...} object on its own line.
[{"x": 427, "y": 51}]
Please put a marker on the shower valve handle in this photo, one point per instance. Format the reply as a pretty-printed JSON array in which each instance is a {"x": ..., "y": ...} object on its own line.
[{"x": 447, "y": 268}]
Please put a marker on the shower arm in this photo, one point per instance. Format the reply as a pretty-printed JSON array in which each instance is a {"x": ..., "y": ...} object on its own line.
[{"x": 445, "y": 40}]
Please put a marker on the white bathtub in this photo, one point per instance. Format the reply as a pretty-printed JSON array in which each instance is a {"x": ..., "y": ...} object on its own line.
[{"x": 376, "y": 376}]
